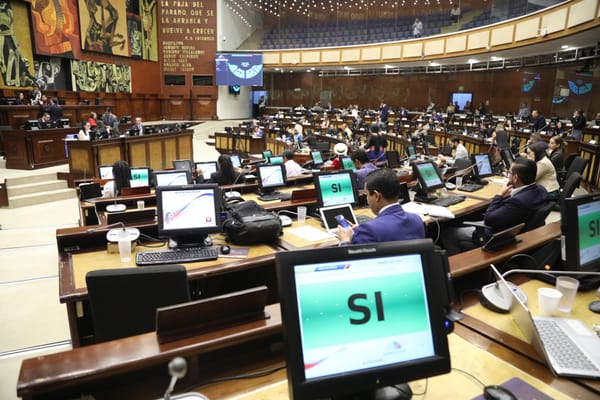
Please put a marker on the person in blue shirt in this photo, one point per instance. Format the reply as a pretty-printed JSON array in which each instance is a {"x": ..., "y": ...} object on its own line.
[
  {"x": 363, "y": 166},
  {"x": 392, "y": 222}
]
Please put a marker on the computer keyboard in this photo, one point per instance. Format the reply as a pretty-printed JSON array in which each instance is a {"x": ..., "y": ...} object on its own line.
[
  {"x": 470, "y": 187},
  {"x": 275, "y": 196},
  {"x": 183, "y": 255},
  {"x": 448, "y": 201}
]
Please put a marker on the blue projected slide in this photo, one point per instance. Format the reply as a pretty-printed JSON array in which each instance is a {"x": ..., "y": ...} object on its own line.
[{"x": 244, "y": 69}]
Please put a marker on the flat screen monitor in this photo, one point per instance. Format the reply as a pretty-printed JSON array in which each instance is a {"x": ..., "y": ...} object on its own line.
[
  {"x": 483, "y": 165},
  {"x": 47, "y": 124},
  {"x": 411, "y": 152},
  {"x": 235, "y": 160},
  {"x": 267, "y": 154},
  {"x": 172, "y": 177},
  {"x": 276, "y": 160},
  {"x": 243, "y": 69},
  {"x": 357, "y": 319},
  {"x": 428, "y": 176},
  {"x": 32, "y": 125},
  {"x": 316, "y": 157},
  {"x": 347, "y": 163},
  {"x": 140, "y": 176},
  {"x": 105, "y": 172},
  {"x": 188, "y": 165},
  {"x": 270, "y": 177},
  {"x": 580, "y": 226},
  {"x": 393, "y": 159},
  {"x": 461, "y": 98},
  {"x": 336, "y": 188},
  {"x": 187, "y": 214},
  {"x": 207, "y": 167},
  {"x": 64, "y": 123}
]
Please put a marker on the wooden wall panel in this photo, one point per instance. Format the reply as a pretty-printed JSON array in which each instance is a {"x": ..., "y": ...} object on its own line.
[
  {"x": 137, "y": 154},
  {"x": 155, "y": 152}
]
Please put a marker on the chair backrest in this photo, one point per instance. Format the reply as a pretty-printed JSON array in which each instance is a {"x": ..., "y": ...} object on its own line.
[
  {"x": 539, "y": 217},
  {"x": 187, "y": 165},
  {"x": 123, "y": 301},
  {"x": 502, "y": 140},
  {"x": 577, "y": 165},
  {"x": 571, "y": 184},
  {"x": 462, "y": 163},
  {"x": 569, "y": 159}
]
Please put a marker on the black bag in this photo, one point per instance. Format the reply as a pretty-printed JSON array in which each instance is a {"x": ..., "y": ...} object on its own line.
[{"x": 249, "y": 223}]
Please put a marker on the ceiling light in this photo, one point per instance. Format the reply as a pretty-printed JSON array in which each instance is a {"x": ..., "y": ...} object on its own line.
[
  {"x": 434, "y": 64},
  {"x": 495, "y": 58},
  {"x": 472, "y": 61},
  {"x": 564, "y": 46}
]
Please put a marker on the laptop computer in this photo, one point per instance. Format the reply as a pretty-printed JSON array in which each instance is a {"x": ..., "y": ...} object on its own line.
[
  {"x": 569, "y": 347},
  {"x": 500, "y": 240},
  {"x": 328, "y": 216}
]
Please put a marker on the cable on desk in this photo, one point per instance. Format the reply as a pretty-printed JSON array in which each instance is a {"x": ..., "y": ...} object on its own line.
[
  {"x": 469, "y": 375},
  {"x": 144, "y": 240},
  {"x": 249, "y": 375},
  {"x": 461, "y": 304}
]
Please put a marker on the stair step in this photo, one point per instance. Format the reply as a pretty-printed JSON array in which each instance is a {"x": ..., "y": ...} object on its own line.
[
  {"x": 35, "y": 187},
  {"x": 30, "y": 179},
  {"x": 41, "y": 198}
]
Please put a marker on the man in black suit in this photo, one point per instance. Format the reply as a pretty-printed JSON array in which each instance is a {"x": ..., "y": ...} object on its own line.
[
  {"x": 538, "y": 121},
  {"x": 55, "y": 110}
]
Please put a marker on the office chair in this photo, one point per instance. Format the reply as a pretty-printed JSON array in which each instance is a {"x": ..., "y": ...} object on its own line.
[
  {"x": 188, "y": 165},
  {"x": 577, "y": 165},
  {"x": 567, "y": 190},
  {"x": 123, "y": 301}
]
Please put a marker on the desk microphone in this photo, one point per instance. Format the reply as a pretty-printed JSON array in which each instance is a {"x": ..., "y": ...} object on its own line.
[
  {"x": 177, "y": 370},
  {"x": 493, "y": 298},
  {"x": 114, "y": 235}
]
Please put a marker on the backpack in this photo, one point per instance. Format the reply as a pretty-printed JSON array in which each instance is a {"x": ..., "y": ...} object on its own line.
[{"x": 249, "y": 223}]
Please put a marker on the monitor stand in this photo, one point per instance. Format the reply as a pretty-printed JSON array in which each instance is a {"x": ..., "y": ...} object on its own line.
[
  {"x": 180, "y": 242},
  {"x": 423, "y": 196},
  {"x": 400, "y": 391}
]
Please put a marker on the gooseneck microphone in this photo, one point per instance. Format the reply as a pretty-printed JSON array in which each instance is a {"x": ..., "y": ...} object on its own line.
[{"x": 177, "y": 370}]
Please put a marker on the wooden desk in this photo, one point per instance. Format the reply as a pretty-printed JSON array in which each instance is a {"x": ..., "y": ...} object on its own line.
[
  {"x": 502, "y": 329},
  {"x": 96, "y": 369},
  {"x": 35, "y": 149},
  {"x": 81, "y": 251},
  {"x": 476, "y": 259}
]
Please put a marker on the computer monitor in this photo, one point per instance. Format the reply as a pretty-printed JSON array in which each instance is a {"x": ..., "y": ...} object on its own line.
[
  {"x": 173, "y": 177},
  {"x": 47, "y": 124},
  {"x": 207, "y": 167},
  {"x": 267, "y": 154},
  {"x": 428, "y": 176},
  {"x": 393, "y": 159},
  {"x": 347, "y": 163},
  {"x": 105, "y": 172},
  {"x": 188, "y": 165},
  {"x": 187, "y": 214},
  {"x": 32, "y": 125},
  {"x": 483, "y": 165},
  {"x": 507, "y": 157},
  {"x": 317, "y": 158},
  {"x": 140, "y": 176},
  {"x": 335, "y": 188},
  {"x": 411, "y": 152},
  {"x": 64, "y": 123},
  {"x": 270, "y": 177},
  {"x": 580, "y": 232},
  {"x": 235, "y": 160},
  {"x": 276, "y": 160},
  {"x": 357, "y": 319}
]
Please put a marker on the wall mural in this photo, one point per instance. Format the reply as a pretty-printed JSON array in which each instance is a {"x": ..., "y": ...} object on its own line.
[
  {"x": 141, "y": 29},
  {"x": 103, "y": 26},
  {"x": 55, "y": 28},
  {"x": 50, "y": 73},
  {"x": 16, "y": 66},
  {"x": 91, "y": 76}
]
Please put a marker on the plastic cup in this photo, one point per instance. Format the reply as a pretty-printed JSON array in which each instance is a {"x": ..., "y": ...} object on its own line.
[
  {"x": 568, "y": 287},
  {"x": 301, "y": 214},
  {"x": 125, "y": 249},
  {"x": 459, "y": 180},
  {"x": 141, "y": 204},
  {"x": 548, "y": 299}
]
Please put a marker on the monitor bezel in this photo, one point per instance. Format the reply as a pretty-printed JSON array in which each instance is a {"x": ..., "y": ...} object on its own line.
[
  {"x": 190, "y": 231},
  {"x": 351, "y": 164},
  {"x": 570, "y": 232},
  {"x": 320, "y": 155},
  {"x": 421, "y": 179},
  {"x": 170, "y": 172},
  {"x": 260, "y": 171},
  {"x": 201, "y": 163},
  {"x": 266, "y": 154},
  {"x": 393, "y": 159},
  {"x": 149, "y": 173},
  {"x": 101, "y": 167},
  {"x": 408, "y": 153},
  {"x": 238, "y": 163},
  {"x": 476, "y": 168},
  {"x": 187, "y": 163},
  {"x": 317, "y": 182},
  {"x": 369, "y": 379},
  {"x": 278, "y": 160}
]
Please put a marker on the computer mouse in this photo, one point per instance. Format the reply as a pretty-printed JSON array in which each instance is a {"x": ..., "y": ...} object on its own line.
[
  {"x": 225, "y": 249},
  {"x": 285, "y": 220},
  {"x": 496, "y": 392},
  {"x": 450, "y": 186}
]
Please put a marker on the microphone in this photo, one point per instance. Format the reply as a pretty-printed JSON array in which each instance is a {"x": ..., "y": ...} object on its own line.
[
  {"x": 231, "y": 192},
  {"x": 115, "y": 235},
  {"x": 493, "y": 298},
  {"x": 177, "y": 370}
]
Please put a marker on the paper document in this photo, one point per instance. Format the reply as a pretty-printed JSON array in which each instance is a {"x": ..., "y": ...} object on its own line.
[{"x": 309, "y": 233}]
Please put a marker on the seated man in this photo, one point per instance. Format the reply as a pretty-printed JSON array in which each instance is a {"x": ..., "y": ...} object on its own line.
[
  {"x": 292, "y": 168},
  {"x": 363, "y": 166},
  {"x": 517, "y": 202},
  {"x": 392, "y": 222},
  {"x": 460, "y": 151}
]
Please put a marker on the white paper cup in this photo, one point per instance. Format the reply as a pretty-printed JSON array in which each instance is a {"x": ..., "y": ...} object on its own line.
[
  {"x": 548, "y": 299},
  {"x": 301, "y": 214},
  {"x": 568, "y": 287},
  {"x": 125, "y": 250},
  {"x": 459, "y": 180}
]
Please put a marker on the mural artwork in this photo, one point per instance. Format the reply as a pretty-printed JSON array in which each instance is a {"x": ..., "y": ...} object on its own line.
[
  {"x": 93, "y": 76},
  {"x": 55, "y": 28},
  {"x": 16, "y": 66},
  {"x": 103, "y": 26}
]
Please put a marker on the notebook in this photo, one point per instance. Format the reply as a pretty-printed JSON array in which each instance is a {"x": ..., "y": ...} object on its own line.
[
  {"x": 571, "y": 349},
  {"x": 328, "y": 216}
]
